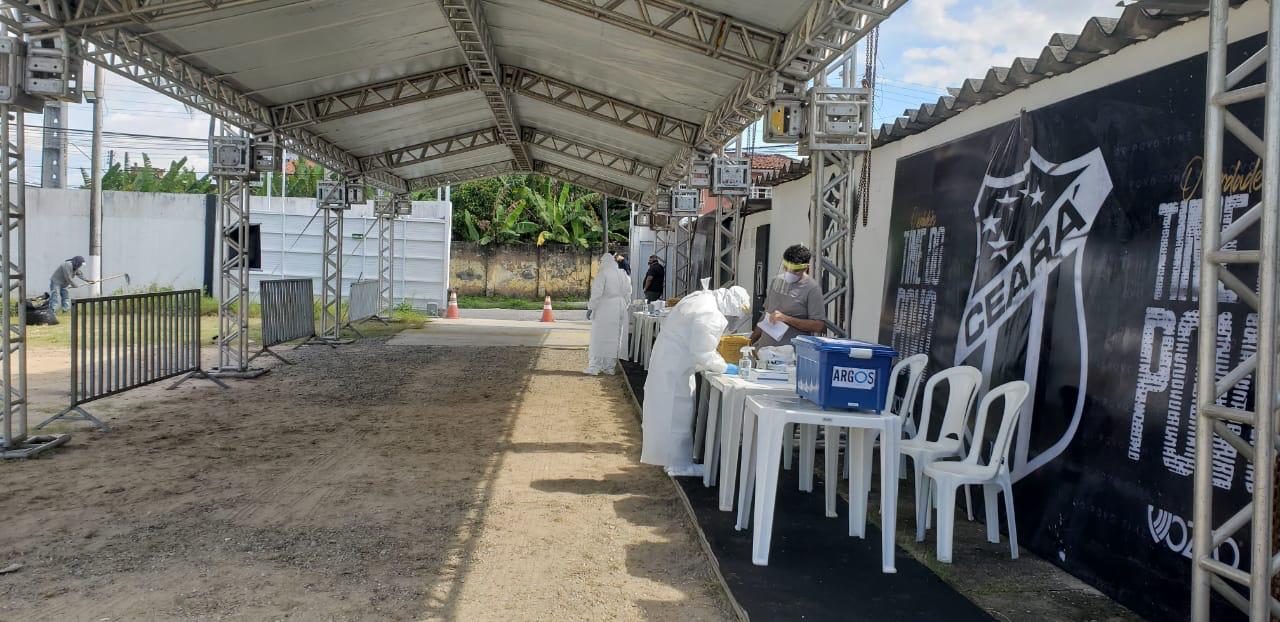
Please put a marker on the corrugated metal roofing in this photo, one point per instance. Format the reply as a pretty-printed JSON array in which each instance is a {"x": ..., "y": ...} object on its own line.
[
  {"x": 301, "y": 54},
  {"x": 1100, "y": 37}
]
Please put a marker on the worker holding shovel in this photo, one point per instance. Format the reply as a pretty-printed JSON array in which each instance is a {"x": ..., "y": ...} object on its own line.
[{"x": 63, "y": 279}]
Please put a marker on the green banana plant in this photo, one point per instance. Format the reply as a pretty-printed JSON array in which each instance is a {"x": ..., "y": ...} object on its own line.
[
  {"x": 176, "y": 179},
  {"x": 564, "y": 219}
]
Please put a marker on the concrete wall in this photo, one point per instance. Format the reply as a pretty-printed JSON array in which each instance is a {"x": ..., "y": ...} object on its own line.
[
  {"x": 524, "y": 271},
  {"x": 157, "y": 238}
]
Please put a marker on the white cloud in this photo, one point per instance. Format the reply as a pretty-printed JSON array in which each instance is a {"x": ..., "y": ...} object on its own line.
[{"x": 949, "y": 41}]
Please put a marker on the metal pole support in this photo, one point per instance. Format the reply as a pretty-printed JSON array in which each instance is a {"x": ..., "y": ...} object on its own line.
[
  {"x": 233, "y": 281},
  {"x": 1223, "y": 259},
  {"x": 832, "y": 220},
  {"x": 728, "y": 232},
  {"x": 14, "y": 441},
  {"x": 387, "y": 262},
  {"x": 331, "y": 280}
]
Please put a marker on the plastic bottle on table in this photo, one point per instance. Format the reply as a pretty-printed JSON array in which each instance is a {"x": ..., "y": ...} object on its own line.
[{"x": 744, "y": 363}]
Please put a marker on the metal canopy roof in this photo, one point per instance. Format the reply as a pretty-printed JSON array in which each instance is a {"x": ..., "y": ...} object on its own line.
[{"x": 615, "y": 95}]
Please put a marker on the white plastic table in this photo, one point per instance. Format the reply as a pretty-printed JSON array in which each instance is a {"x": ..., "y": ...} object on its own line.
[
  {"x": 771, "y": 413},
  {"x": 644, "y": 331},
  {"x": 728, "y": 395}
]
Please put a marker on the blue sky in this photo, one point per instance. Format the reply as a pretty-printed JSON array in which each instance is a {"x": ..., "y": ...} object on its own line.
[
  {"x": 927, "y": 46},
  {"x": 932, "y": 44}
]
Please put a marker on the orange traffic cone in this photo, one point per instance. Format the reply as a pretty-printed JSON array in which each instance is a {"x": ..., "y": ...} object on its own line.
[
  {"x": 452, "y": 313},
  {"x": 546, "y": 310}
]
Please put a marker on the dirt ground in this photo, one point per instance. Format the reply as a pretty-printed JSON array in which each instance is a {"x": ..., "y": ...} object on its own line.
[{"x": 369, "y": 483}]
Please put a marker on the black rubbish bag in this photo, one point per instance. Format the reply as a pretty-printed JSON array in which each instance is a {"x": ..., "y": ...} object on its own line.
[{"x": 40, "y": 312}]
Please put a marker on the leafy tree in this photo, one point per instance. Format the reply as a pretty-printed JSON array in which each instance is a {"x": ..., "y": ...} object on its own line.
[
  {"x": 506, "y": 223},
  {"x": 302, "y": 181},
  {"x": 176, "y": 179},
  {"x": 564, "y": 218},
  {"x": 531, "y": 208}
]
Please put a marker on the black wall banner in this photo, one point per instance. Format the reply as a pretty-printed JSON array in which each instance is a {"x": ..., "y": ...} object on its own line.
[{"x": 1063, "y": 248}]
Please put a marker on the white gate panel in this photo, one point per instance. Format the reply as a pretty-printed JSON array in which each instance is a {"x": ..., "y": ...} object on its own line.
[{"x": 292, "y": 242}]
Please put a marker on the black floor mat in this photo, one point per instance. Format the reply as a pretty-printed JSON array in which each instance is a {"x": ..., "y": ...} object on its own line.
[{"x": 816, "y": 571}]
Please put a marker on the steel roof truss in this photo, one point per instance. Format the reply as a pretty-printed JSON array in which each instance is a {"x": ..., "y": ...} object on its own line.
[
  {"x": 458, "y": 176},
  {"x": 141, "y": 61},
  {"x": 828, "y": 30},
  {"x": 589, "y": 182},
  {"x": 88, "y": 13},
  {"x": 420, "y": 87},
  {"x": 599, "y": 106},
  {"x": 591, "y": 154},
  {"x": 688, "y": 26},
  {"x": 466, "y": 19},
  {"x": 431, "y": 150}
]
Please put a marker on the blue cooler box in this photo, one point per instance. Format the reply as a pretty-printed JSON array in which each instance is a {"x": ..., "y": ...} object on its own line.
[{"x": 843, "y": 373}]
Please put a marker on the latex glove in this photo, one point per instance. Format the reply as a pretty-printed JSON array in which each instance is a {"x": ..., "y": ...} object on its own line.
[
  {"x": 731, "y": 369},
  {"x": 711, "y": 362}
]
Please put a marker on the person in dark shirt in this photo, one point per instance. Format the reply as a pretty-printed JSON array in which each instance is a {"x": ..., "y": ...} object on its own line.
[
  {"x": 623, "y": 263},
  {"x": 654, "y": 279}
]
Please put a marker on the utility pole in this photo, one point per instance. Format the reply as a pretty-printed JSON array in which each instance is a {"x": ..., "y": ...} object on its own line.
[
  {"x": 95, "y": 186},
  {"x": 53, "y": 165},
  {"x": 604, "y": 218}
]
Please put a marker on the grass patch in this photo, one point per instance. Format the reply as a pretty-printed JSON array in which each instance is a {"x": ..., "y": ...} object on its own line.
[
  {"x": 509, "y": 302},
  {"x": 209, "y": 306},
  {"x": 498, "y": 302}
]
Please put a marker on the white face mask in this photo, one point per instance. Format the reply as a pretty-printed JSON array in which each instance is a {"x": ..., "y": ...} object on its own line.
[{"x": 790, "y": 277}]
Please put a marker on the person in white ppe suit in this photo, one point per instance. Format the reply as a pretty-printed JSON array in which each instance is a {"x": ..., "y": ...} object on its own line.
[
  {"x": 686, "y": 345},
  {"x": 610, "y": 292}
]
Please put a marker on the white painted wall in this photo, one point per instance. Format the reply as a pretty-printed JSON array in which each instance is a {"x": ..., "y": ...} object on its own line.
[
  {"x": 791, "y": 201},
  {"x": 790, "y": 219},
  {"x": 293, "y": 240},
  {"x": 157, "y": 238}
]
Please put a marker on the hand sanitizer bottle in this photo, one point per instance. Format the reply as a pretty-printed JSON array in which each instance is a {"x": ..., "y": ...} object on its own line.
[{"x": 744, "y": 363}]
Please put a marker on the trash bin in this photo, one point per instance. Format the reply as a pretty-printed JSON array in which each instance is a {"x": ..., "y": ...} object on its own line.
[{"x": 843, "y": 374}]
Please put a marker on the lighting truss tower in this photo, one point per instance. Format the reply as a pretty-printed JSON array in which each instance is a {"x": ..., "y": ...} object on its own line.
[
  {"x": 682, "y": 284},
  {"x": 664, "y": 242},
  {"x": 331, "y": 278},
  {"x": 14, "y": 441},
  {"x": 831, "y": 218},
  {"x": 1224, "y": 260},
  {"x": 728, "y": 228},
  {"x": 833, "y": 138},
  {"x": 233, "y": 280},
  {"x": 387, "y": 258},
  {"x": 13, "y": 258}
]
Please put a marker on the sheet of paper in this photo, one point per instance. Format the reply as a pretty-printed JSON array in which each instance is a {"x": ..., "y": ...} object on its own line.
[{"x": 772, "y": 328}]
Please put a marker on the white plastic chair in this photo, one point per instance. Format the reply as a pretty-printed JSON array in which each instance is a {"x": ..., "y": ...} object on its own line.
[
  {"x": 946, "y": 477},
  {"x": 914, "y": 367},
  {"x": 962, "y": 388}
]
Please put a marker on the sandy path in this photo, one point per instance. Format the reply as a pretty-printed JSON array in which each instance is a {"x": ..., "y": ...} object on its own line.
[{"x": 386, "y": 482}]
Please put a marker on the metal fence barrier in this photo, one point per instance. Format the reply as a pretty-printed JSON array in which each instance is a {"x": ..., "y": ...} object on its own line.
[
  {"x": 362, "y": 304},
  {"x": 288, "y": 313},
  {"x": 120, "y": 343}
]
